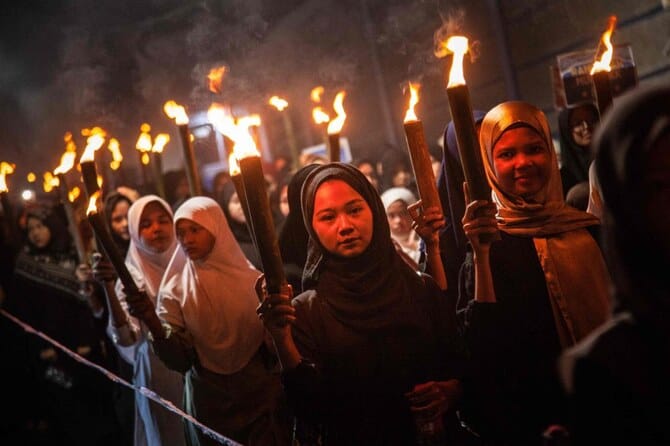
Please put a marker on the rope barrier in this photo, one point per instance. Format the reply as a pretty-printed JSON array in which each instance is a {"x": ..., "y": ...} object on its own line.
[{"x": 147, "y": 393}]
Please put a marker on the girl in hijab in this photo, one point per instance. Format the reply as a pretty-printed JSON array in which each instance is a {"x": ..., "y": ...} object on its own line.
[
  {"x": 373, "y": 342},
  {"x": 232, "y": 209},
  {"x": 617, "y": 377},
  {"x": 116, "y": 213},
  {"x": 205, "y": 326},
  {"x": 548, "y": 282},
  {"x": 405, "y": 238},
  {"x": 152, "y": 244}
]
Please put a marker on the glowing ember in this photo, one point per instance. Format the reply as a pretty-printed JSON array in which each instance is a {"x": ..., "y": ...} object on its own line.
[
  {"x": 159, "y": 142},
  {"x": 99, "y": 180},
  {"x": 335, "y": 126},
  {"x": 31, "y": 177},
  {"x": 458, "y": 45},
  {"x": 73, "y": 194},
  {"x": 320, "y": 116},
  {"x": 277, "y": 102},
  {"x": 606, "y": 58},
  {"x": 92, "y": 208},
  {"x": 95, "y": 140},
  {"x": 316, "y": 93},
  {"x": 115, "y": 148},
  {"x": 233, "y": 165},
  {"x": 410, "y": 115},
  {"x": 215, "y": 78},
  {"x": 176, "y": 112},
  {"x": 5, "y": 169}
]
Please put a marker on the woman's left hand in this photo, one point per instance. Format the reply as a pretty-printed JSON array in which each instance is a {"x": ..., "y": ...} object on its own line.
[
  {"x": 432, "y": 399},
  {"x": 427, "y": 222}
]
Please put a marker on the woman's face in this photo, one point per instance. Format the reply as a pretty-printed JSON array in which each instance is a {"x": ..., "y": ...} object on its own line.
[
  {"x": 38, "y": 233},
  {"x": 283, "y": 201},
  {"x": 368, "y": 170},
  {"x": 119, "y": 220},
  {"x": 342, "y": 219},
  {"x": 399, "y": 219},
  {"x": 235, "y": 209},
  {"x": 582, "y": 121},
  {"x": 155, "y": 228},
  {"x": 196, "y": 241},
  {"x": 401, "y": 178},
  {"x": 522, "y": 162}
]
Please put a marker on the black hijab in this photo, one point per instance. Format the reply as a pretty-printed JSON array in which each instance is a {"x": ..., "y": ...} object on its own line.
[
  {"x": 622, "y": 143},
  {"x": 369, "y": 292},
  {"x": 239, "y": 230},
  {"x": 575, "y": 159},
  {"x": 111, "y": 200}
]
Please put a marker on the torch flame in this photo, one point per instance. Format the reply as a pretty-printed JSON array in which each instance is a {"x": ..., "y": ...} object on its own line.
[
  {"x": 159, "y": 142},
  {"x": 31, "y": 177},
  {"x": 244, "y": 144},
  {"x": 410, "y": 115},
  {"x": 606, "y": 58},
  {"x": 95, "y": 140},
  {"x": 50, "y": 181},
  {"x": 92, "y": 208},
  {"x": 316, "y": 93},
  {"x": 5, "y": 169},
  {"x": 215, "y": 78},
  {"x": 335, "y": 126},
  {"x": 144, "y": 141},
  {"x": 66, "y": 163},
  {"x": 69, "y": 143},
  {"x": 277, "y": 102},
  {"x": 115, "y": 148},
  {"x": 176, "y": 112},
  {"x": 73, "y": 194},
  {"x": 233, "y": 165},
  {"x": 458, "y": 45},
  {"x": 320, "y": 116}
]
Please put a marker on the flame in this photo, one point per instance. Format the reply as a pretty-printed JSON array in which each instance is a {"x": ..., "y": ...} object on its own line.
[
  {"x": 244, "y": 144},
  {"x": 66, "y": 163},
  {"x": 5, "y": 169},
  {"x": 159, "y": 142},
  {"x": 115, "y": 148},
  {"x": 69, "y": 143},
  {"x": 144, "y": 141},
  {"x": 316, "y": 93},
  {"x": 98, "y": 180},
  {"x": 458, "y": 45},
  {"x": 145, "y": 158},
  {"x": 215, "y": 77},
  {"x": 95, "y": 140},
  {"x": 277, "y": 102},
  {"x": 73, "y": 194},
  {"x": 606, "y": 58},
  {"x": 176, "y": 112},
  {"x": 335, "y": 126},
  {"x": 320, "y": 116},
  {"x": 92, "y": 208},
  {"x": 50, "y": 181},
  {"x": 31, "y": 177},
  {"x": 233, "y": 165},
  {"x": 410, "y": 115}
]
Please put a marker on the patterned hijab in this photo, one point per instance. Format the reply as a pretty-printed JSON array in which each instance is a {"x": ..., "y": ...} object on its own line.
[{"x": 574, "y": 269}]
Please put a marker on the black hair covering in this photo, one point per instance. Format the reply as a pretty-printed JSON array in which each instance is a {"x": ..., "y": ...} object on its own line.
[
  {"x": 239, "y": 230},
  {"x": 367, "y": 292},
  {"x": 111, "y": 200},
  {"x": 60, "y": 243},
  {"x": 575, "y": 159},
  {"x": 622, "y": 143}
]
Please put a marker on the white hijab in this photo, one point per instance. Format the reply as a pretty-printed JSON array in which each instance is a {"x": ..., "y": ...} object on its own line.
[
  {"x": 145, "y": 265},
  {"x": 213, "y": 299}
]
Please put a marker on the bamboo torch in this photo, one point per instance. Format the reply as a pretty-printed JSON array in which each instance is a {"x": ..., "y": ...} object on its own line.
[
  {"x": 600, "y": 72},
  {"x": 89, "y": 173},
  {"x": 281, "y": 104},
  {"x": 157, "y": 162},
  {"x": 335, "y": 127},
  {"x": 6, "y": 169},
  {"x": 143, "y": 146},
  {"x": 66, "y": 164},
  {"x": 425, "y": 179},
  {"x": 178, "y": 113}
]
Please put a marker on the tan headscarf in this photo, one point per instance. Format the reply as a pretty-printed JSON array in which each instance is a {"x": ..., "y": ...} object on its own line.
[
  {"x": 576, "y": 275},
  {"x": 213, "y": 299}
]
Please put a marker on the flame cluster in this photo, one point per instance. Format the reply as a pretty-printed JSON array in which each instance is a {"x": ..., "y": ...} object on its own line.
[
  {"x": 604, "y": 64},
  {"x": 235, "y": 129},
  {"x": 5, "y": 169},
  {"x": 321, "y": 117}
]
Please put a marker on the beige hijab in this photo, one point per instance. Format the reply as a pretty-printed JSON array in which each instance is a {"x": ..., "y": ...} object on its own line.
[
  {"x": 576, "y": 275},
  {"x": 213, "y": 299}
]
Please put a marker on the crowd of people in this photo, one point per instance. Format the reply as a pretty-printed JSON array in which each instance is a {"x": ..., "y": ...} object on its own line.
[{"x": 550, "y": 328}]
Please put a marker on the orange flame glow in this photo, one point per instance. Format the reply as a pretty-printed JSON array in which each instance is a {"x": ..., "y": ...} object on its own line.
[
  {"x": 92, "y": 208},
  {"x": 50, "y": 181},
  {"x": 66, "y": 163},
  {"x": 115, "y": 148},
  {"x": 277, "y": 102},
  {"x": 320, "y": 116},
  {"x": 159, "y": 142},
  {"x": 410, "y": 115},
  {"x": 73, "y": 194},
  {"x": 31, "y": 177},
  {"x": 458, "y": 45},
  {"x": 335, "y": 126},
  {"x": 176, "y": 112},
  {"x": 215, "y": 78},
  {"x": 144, "y": 141},
  {"x": 233, "y": 165},
  {"x": 316, "y": 93},
  {"x": 5, "y": 169},
  {"x": 96, "y": 138},
  {"x": 606, "y": 58},
  {"x": 244, "y": 144},
  {"x": 69, "y": 142}
]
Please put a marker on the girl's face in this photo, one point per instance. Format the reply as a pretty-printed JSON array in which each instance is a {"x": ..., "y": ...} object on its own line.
[
  {"x": 119, "y": 220},
  {"x": 235, "y": 209},
  {"x": 401, "y": 178},
  {"x": 155, "y": 228},
  {"x": 342, "y": 219},
  {"x": 582, "y": 122},
  {"x": 38, "y": 233},
  {"x": 522, "y": 162},
  {"x": 196, "y": 241},
  {"x": 283, "y": 201},
  {"x": 399, "y": 219}
]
